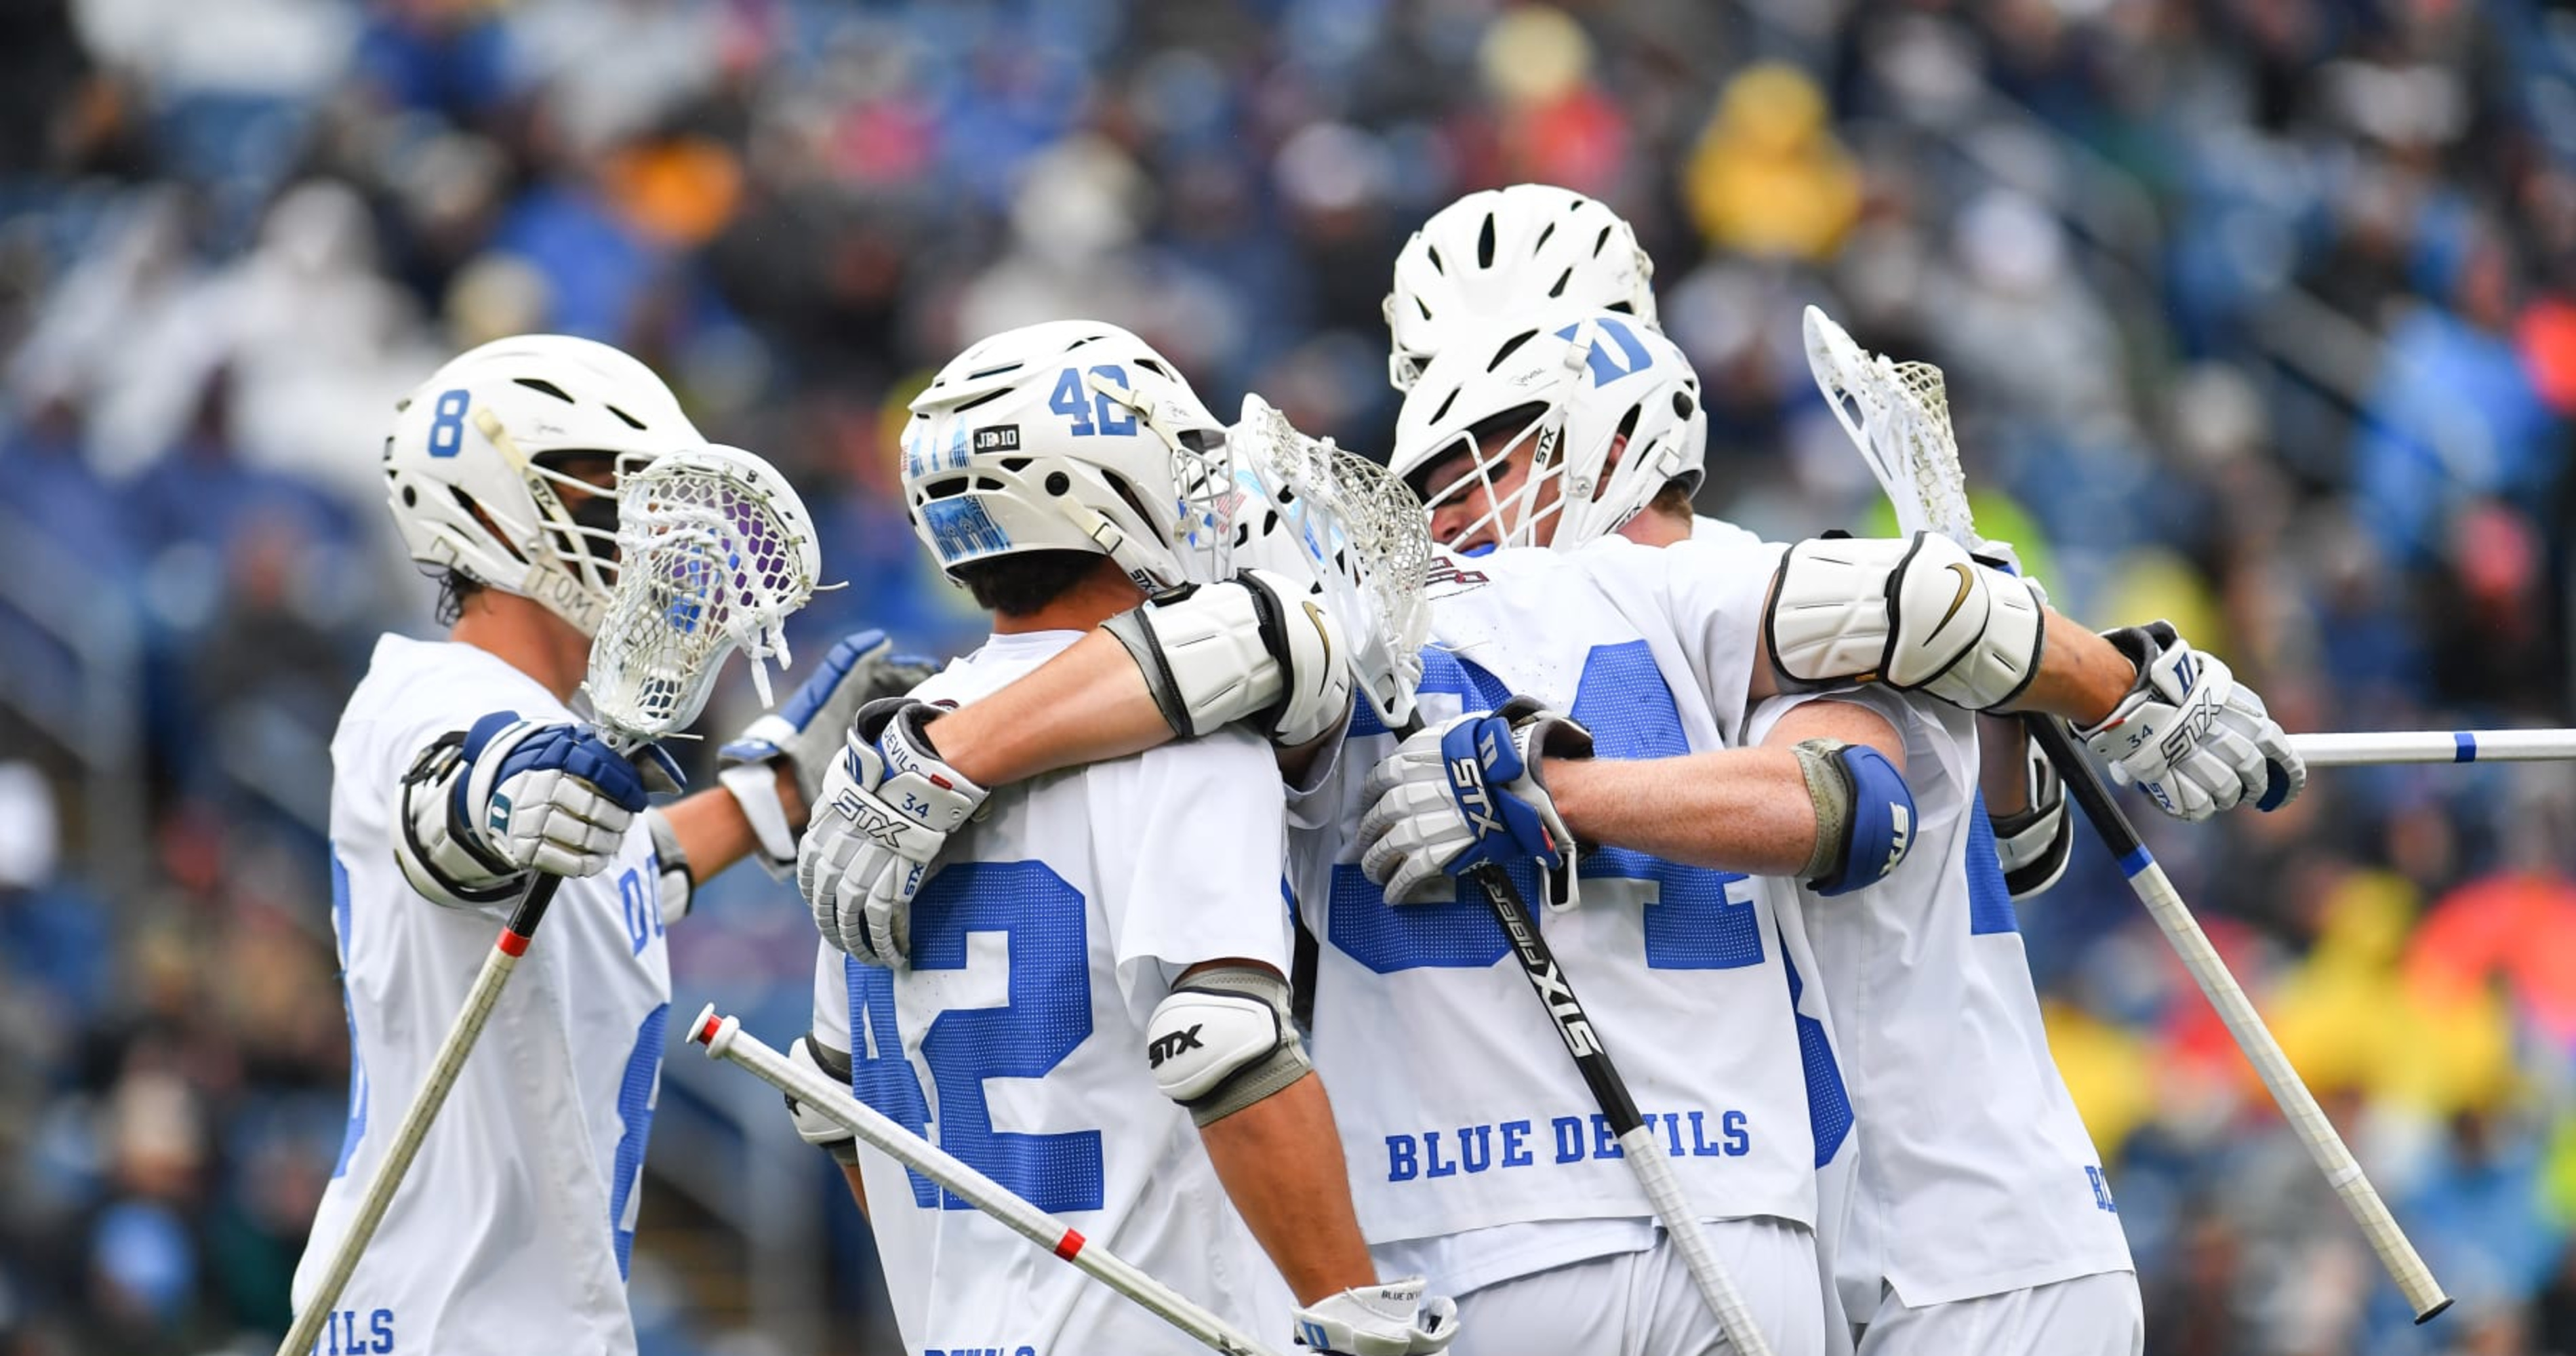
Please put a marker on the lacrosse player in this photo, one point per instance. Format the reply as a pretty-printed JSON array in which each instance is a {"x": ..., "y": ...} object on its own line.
[
  {"x": 459, "y": 769},
  {"x": 1535, "y": 250},
  {"x": 1095, "y": 1010}
]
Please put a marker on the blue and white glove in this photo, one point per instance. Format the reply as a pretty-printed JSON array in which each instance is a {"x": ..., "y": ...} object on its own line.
[
  {"x": 805, "y": 731},
  {"x": 2191, "y": 736},
  {"x": 885, "y": 810},
  {"x": 551, "y": 798},
  {"x": 1469, "y": 791},
  {"x": 1393, "y": 1318}
]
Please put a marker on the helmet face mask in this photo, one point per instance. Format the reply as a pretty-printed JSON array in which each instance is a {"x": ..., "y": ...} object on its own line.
[
  {"x": 1568, "y": 430},
  {"x": 491, "y": 462},
  {"x": 1065, "y": 436}
]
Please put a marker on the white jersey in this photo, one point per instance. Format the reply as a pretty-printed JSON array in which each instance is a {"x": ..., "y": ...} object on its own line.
[
  {"x": 512, "y": 1229},
  {"x": 1015, "y": 1039},
  {"x": 1719, "y": 532},
  {"x": 1471, "y": 1158},
  {"x": 1975, "y": 1176}
]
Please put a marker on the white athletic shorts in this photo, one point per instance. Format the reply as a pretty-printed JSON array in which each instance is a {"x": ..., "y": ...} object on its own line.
[
  {"x": 1643, "y": 1303},
  {"x": 2098, "y": 1315}
]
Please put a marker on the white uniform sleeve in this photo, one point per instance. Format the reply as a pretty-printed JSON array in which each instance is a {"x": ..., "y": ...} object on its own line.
[
  {"x": 1192, "y": 871},
  {"x": 1710, "y": 593}
]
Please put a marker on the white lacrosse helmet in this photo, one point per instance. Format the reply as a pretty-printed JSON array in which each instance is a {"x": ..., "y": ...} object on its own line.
[
  {"x": 1506, "y": 252},
  {"x": 1571, "y": 388},
  {"x": 467, "y": 474},
  {"x": 1071, "y": 435}
]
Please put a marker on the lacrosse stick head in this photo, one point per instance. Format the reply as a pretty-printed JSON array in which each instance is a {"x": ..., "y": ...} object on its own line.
[
  {"x": 715, "y": 552},
  {"x": 1898, "y": 414},
  {"x": 1354, "y": 533}
]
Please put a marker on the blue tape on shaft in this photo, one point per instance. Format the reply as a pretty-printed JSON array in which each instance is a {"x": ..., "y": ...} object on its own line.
[
  {"x": 2135, "y": 861},
  {"x": 2468, "y": 747}
]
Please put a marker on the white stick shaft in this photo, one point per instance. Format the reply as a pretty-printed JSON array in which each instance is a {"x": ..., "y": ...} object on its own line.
[
  {"x": 724, "y": 1038},
  {"x": 1664, "y": 1188},
  {"x": 452, "y": 1052},
  {"x": 2435, "y": 746},
  {"x": 2396, "y": 1253}
]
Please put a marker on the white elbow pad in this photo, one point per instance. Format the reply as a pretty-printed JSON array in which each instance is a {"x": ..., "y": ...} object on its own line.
[
  {"x": 440, "y": 856},
  {"x": 1224, "y": 1041},
  {"x": 679, "y": 883},
  {"x": 2033, "y": 845},
  {"x": 1919, "y": 612}
]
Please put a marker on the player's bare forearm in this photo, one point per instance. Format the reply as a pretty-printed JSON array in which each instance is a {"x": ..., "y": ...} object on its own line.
[
  {"x": 712, "y": 830},
  {"x": 2081, "y": 676},
  {"x": 858, "y": 1185},
  {"x": 1281, "y": 1162},
  {"x": 1742, "y": 810},
  {"x": 1085, "y": 705}
]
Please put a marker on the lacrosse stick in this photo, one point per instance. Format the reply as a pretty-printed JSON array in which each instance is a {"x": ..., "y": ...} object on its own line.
[
  {"x": 1899, "y": 415},
  {"x": 725, "y": 1039},
  {"x": 716, "y": 552},
  {"x": 1367, "y": 540},
  {"x": 2435, "y": 746}
]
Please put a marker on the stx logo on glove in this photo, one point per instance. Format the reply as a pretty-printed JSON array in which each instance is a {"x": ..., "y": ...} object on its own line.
[
  {"x": 1164, "y": 1047},
  {"x": 1467, "y": 776},
  {"x": 867, "y": 819}
]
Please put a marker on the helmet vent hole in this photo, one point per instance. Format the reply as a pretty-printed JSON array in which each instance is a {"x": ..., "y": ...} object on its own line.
[
  {"x": 993, "y": 371},
  {"x": 1541, "y": 242},
  {"x": 946, "y": 489},
  {"x": 544, "y": 387},
  {"x": 1628, "y": 421},
  {"x": 1485, "y": 243},
  {"x": 1621, "y": 307},
  {"x": 1422, "y": 306},
  {"x": 629, "y": 420},
  {"x": 1599, "y": 241},
  {"x": 1447, "y": 401},
  {"x": 1510, "y": 347},
  {"x": 989, "y": 484},
  {"x": 1057, "y": 482},
  {"x": 1015, "y": 465},
  {"x": 1154, "y": 367},
  {"x": 985, "y": 399},
  {"x": 1433, "y": 254},
  {"x": 1561, "y": 280}
]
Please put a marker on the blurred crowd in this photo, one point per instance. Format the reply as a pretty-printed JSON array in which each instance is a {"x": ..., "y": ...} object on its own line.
[{"x": 2258, "y": 314}]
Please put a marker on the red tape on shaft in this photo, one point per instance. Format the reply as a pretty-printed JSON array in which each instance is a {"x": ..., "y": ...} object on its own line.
[
  {"x": 1068, "y": 1245},
  {"x": 512, "y": 944}
]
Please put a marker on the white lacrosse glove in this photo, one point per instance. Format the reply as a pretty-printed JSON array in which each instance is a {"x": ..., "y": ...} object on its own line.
[
  {"x": 805, "y": 732},
  {"x": 2191, "y": 736},
  {"x": 1466, "y": 792},
  {"x": 1257, "y": 646},
  {"x": 1392, "y": 1318},
  {"x": 885, "y": 810},
  {"x": 552, "y": 798},
  {"x": 813, "y": 1126}
]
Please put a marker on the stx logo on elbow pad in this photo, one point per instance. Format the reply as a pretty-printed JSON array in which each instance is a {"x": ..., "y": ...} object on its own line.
[
  {"x": 1164, "y": 1047},
  {"x": 1901, "y": 839}
]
